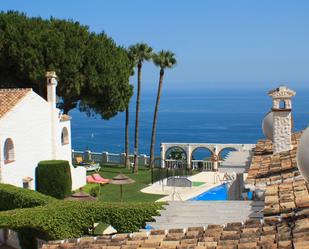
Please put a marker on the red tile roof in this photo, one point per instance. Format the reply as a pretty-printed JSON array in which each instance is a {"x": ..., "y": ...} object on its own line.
[{"x": 10, "y": 97}]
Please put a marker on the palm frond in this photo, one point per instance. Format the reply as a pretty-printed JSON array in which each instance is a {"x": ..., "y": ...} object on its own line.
[
  {"x": 140, "y": 52},
  {"x": 164, "y": 59}
]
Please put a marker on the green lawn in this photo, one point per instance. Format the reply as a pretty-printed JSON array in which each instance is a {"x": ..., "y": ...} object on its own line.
[
  {"x": 131, "y": 192},
  {"x": 197, "y": 184}
]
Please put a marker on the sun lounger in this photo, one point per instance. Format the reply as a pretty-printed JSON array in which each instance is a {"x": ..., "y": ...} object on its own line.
[
  {"x": 97, "y": 177},
  {"x": 91, "y": 179},
  {"x": 93, "y": 167}
]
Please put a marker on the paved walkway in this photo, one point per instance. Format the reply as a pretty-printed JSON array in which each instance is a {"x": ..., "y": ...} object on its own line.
[
  {"x": 202, "y": 213},
  {"x": 210, "y": 179},
  {"x": 236, "y": 161}
]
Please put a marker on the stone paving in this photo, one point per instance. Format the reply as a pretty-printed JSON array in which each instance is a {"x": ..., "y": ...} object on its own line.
[{"x": 202, "y": 213}]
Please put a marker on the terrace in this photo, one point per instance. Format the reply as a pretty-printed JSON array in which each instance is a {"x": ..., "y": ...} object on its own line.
[{"x": 285, "y": 223}]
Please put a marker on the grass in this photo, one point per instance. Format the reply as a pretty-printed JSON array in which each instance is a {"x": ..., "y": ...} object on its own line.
[
  {"x": 131, "y": 192},
  {"x": 197, "y": 184}
]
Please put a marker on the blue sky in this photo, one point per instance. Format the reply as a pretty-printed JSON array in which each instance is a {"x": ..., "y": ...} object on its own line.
[{"x": 218, "y": 43}]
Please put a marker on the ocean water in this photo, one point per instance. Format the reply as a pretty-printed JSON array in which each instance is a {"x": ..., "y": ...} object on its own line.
[{"x": 209, "y": 116}]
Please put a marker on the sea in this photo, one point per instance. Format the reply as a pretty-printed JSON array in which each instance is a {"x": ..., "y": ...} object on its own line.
[{"x": 189, "y": 116}]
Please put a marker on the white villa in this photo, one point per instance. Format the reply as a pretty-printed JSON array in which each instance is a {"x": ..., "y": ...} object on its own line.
[{"x": 31, "y": 130}]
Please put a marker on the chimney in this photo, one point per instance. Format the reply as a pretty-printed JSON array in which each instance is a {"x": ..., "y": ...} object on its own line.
[
  {"x": 282, "y": 118},
  {"x": 51, "y": 79}
]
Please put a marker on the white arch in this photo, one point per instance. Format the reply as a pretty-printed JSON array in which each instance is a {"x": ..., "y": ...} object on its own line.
[{"x": 190, "y": 147}]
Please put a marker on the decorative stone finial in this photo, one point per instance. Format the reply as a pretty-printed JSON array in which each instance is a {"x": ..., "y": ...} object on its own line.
[
  {"x": 282, "y": 98},
  {"x": 50, "y": 74}
]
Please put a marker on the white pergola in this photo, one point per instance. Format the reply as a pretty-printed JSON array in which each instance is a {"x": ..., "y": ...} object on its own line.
[{"x": 215, "y": 150}]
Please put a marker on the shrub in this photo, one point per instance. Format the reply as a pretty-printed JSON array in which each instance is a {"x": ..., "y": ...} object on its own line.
[
  {"x": 13, "y": 197},
  {"x": 94, "y": 191},
  {"x": 72, "y": 219},
  {"x": 54, "y": 178}
]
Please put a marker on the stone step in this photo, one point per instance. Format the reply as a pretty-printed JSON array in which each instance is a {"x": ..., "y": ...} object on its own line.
[
  {"x": 207, "y": 203},
  {"x": 202, "y": 213}
]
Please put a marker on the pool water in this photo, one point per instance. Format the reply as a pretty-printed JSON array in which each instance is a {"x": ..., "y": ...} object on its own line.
[{"x": 219, "y": 193}]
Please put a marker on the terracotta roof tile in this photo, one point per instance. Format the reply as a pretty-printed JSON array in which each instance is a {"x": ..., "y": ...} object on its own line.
[
  {"x": 10, "y": 97},
  {"x": 65, "y": 117}
]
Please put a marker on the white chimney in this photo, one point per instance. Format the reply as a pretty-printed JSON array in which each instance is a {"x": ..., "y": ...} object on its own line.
[
  {"x": 282, "y": 118},
  {"x": 51, "y": 79}
]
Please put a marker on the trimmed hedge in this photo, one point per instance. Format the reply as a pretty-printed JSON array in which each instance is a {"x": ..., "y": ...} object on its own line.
[
  {"x": 72, "y": 219},
  {"x": 53, "y": 178},
  {"x": 12, "y": 197}
]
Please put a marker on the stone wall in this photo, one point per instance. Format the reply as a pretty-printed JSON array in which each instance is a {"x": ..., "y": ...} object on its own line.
[{"x": 282, "y": 131}]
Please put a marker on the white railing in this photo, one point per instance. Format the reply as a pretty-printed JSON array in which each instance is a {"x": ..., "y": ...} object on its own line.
[{"x": 110, "y": 158}]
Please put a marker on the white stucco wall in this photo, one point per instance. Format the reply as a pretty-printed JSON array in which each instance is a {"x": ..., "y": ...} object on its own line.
[
  {"x": 29, "y": 125},
  {"x": 63, "y": 152}
]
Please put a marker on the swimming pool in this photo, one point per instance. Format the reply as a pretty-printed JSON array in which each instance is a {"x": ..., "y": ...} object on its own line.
[{"x": 218, "y": 193}]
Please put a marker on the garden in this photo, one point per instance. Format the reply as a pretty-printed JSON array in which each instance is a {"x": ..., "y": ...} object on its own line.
[
  {"x": 44, "y": 214},
  {"x": 131, "y": 192}
]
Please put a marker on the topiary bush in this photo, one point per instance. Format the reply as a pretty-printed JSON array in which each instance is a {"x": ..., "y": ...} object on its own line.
[
  {"x": 12, "y": 197},
  {"x": 53, "y": 178}
]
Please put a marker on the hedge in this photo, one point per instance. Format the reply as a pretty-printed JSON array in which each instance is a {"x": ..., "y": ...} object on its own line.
[
  {"x": 72, "y": 219},
  {"x": 12, "y": 197},
  {"x": 53, "y": 178}
]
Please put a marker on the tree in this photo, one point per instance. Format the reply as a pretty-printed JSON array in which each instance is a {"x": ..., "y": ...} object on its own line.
[
  {"x": 127, "y": 145},
  {"x": 84, "y": 61},
  {"x": 176, "y": 154},
  {"x": 164, "y": 59},
  {"x": 106, "y": 90},
  {"x": 127, "y": 162},
  {"x": 138, "y": 53}
]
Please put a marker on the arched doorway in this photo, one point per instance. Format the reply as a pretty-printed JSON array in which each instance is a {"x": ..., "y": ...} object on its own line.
[
  {"x": 202, "y": 159},
  {"x": 175, "y": 157}
]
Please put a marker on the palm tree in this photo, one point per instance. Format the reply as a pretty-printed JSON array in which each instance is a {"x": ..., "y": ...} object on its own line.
[
  {"x": 127, "y": 152},
  {"x": 164, "y": 59},
  {"x": 138, "y": 53}
]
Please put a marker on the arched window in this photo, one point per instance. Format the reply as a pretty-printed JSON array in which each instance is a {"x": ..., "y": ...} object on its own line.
[
  {"x": 8, "y": 151},
  {"x": 282, "y": 104},
  {"x": 64, "y": 136}
]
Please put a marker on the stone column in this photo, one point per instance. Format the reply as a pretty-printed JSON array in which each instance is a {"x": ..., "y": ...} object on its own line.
[
  {"x": 87, "y": 156},
  {"x": 105, "y": 157},
  {"x": 189, "y": 152},
  {"x": 216, "y": 158},
  {"x": 142, "y": 160},
  {"x": 123, "y": 158},
  {"x": 163, "y": 155}
]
